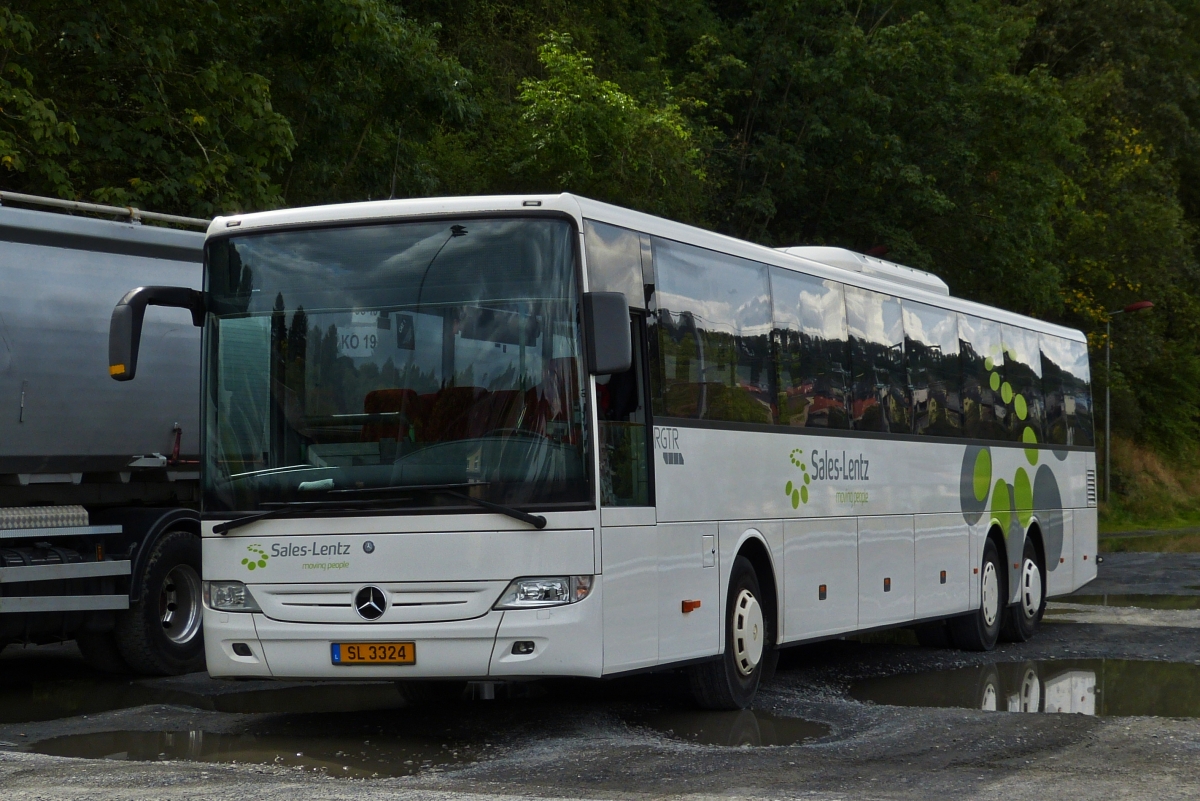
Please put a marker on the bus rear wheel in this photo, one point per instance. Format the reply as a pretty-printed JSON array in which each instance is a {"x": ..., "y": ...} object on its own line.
[
  {"x": 1021, "y": 620},
  {"x": 731, "y": 681},
  {"x": 979, "y": 630}
]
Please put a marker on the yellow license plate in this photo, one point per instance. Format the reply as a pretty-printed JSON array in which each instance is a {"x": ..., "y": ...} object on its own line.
[{"x": 373, "y": 653}]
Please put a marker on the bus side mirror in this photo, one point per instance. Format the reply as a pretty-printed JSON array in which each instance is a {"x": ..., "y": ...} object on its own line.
[
  {"x": 125, "y": 328},
  {"x": 606, "y": 332}
]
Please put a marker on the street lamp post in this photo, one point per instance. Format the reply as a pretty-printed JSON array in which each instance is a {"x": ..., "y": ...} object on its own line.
[{"x": 1141, "y": 305}]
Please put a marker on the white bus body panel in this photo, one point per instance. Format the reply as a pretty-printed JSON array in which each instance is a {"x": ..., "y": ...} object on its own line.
[
  {"x": 885, "y": 570},
  {"x": 820, "y": 553}
]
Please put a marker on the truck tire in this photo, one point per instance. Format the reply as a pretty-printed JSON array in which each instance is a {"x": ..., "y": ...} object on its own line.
[
  {"x": 100, "y": 652},
  {"x": 160, "y": 634}
]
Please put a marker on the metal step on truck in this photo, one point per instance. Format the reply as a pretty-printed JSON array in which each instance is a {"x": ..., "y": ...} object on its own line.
[{"x": 99, "y": 529}]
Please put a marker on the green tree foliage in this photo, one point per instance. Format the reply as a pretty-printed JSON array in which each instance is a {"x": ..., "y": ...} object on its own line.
[{"x": 1038, "y": 154}]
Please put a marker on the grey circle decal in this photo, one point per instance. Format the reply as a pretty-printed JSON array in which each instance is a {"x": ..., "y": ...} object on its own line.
[{"x": 1046, "y": 496}]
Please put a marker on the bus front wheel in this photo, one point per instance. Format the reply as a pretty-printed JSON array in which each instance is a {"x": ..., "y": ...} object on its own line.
[
  {"x": 731, "y": 681},
  {"x": 979, "y": 630}
]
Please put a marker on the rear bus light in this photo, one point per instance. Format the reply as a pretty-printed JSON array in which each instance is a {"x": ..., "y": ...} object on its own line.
[
  {"x": 229, "y": 596},
  {"x": 533, "y": 593}
]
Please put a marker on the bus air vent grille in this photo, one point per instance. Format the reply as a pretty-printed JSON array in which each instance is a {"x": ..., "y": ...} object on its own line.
[{"x": 1091, "y": 488}]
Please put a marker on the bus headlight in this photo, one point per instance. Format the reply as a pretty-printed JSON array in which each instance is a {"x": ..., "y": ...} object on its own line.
[
  {"x": 229, "y": 596},
  {"x": 530, "y": 593}
]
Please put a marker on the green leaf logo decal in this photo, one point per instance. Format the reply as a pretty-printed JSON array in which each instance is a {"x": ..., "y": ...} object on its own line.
[
  {"x": 798, "y": 492},
  {"x": 257, "y": 558}
]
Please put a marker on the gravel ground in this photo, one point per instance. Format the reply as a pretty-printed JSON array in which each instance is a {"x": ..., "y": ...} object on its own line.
[{"x": 588, "y": 739}]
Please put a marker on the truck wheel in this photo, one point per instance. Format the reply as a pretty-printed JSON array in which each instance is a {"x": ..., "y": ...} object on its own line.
[
  {"x": 979, "y": 630},
  {"x": 1021, "y": 620},
  {"x": 731, "y": 681},
  {"x": 100, "y": 652},
  {"x": 160, "y": 634}
]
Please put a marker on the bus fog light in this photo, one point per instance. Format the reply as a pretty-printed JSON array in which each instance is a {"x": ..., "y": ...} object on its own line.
[
  {"x": 522, "y": 647},
  {"x": 229, "y": 596},
  {"x": 529, "y": 593}
]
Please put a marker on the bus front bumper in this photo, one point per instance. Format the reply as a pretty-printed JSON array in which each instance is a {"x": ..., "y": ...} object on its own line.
[{"x": 567, "y": 641}]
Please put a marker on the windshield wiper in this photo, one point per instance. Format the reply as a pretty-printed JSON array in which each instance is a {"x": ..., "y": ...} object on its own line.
[
  {"x": 293, "y": 508},
  {"x": 289, "y": 509},
  {"x": 537, "y": 521}
]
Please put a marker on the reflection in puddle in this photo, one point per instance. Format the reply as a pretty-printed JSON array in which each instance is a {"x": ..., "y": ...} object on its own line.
[
  {"x": 742, "y": 728},
  {"x": 50, "y": 700},
  {"x": 1139, "y": 601},
  {"x": 351, "y": 756},
  {"x": 1110, "y": 687}
]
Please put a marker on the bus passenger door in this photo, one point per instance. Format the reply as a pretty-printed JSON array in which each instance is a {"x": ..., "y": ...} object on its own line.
[{"x": 628, "y": 535}]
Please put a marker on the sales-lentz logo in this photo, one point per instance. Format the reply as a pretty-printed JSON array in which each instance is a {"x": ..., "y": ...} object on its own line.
[{"x": 827, "y": 466}]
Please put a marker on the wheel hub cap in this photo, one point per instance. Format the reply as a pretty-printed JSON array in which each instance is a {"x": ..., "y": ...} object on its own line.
[
  {"x": 748, "y": 632},
  {"x": 991, "y": 594},
  {"x": 179, "y": 604},
  {"x": 1031, "y": 589}
]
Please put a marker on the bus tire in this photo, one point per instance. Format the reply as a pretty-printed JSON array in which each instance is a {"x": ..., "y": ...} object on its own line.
[
  {"x": 160, "y": 634},
  {"x": 731, "y": 681},
  {"x": 979, "y": 630},
  {"x": 1022, "y": 618}
]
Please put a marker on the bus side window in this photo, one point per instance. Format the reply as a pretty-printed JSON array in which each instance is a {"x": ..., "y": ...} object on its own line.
[
  {"x": 813, "y": 383},
  {"x": 614, "y": 261},
  {"x": 1022, "y": 388},
  {"x": 1066, "y": 385},
  {"x": 714, "y": 325},
  {"x": 984, "y": 411},
  {"x": 934, "y": 369},
  {"x": 624, "y": 435},
  {"x": 881, "y": 391}
]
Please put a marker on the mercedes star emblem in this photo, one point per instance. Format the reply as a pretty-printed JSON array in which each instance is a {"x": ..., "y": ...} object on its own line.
[
  {"x": 368, "y": 547},
  {"x": 370, "y": 603}
]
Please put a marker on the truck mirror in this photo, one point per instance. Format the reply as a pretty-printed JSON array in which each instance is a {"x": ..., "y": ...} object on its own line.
[
  {"x": 606, "y": 332},
  {"x": 125, "y": 328}
]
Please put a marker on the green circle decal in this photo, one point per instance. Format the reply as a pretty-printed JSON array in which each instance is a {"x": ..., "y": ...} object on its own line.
[
  {"x": 994, "y": 381},
  {"x": 1021, "y": 407},
  {"x": 1006, "y": 391},
  {"x": 1001, "y": 508},
  {"x": 983, "y": 474},
  {"x": 796, "y": 498},
  {"x": 988, "y": 363},
  {"x": 1029, "y": 437},
  {"x": 1023, "y": 492},
  {"x": 788, "y": 489},
  {"x": 804, "y": 494}
]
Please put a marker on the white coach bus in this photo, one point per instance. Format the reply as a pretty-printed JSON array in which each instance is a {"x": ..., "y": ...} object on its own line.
[{"x": 498, "y": 438}]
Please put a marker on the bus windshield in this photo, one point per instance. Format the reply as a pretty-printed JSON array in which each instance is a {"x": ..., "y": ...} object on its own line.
[{"x": 356, "y": 361}]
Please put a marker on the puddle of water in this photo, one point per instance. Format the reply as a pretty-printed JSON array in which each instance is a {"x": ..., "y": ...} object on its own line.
[
  {"x": 33, "y": 701},
  {"x": 741, "y": 728},
  {"x": 1107, "y": 687},
  {"x": 1139, "y": 601},
  {"x": 347, "y": 755}
]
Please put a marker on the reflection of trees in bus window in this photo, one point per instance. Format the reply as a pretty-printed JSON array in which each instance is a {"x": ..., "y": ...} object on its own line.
[
  {"x": 934, "y": 369},
  {"x": 1066, "y": 383},
  {"x": 880, "y": 398},
  {"x": 810, "y": 335},
  {"x": 984, "y": 411},
  {"x": 714, "y": 320},
  {"x": 1023, "y": 377}
]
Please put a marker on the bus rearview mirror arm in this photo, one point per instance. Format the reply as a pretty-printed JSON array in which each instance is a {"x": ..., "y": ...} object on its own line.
[
  {"x": 125, "y": 328},
  {"x": 606, "y": 332}
]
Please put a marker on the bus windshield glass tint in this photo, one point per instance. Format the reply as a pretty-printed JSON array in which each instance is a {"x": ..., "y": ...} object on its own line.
[{"x": 347, "y": 363}]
